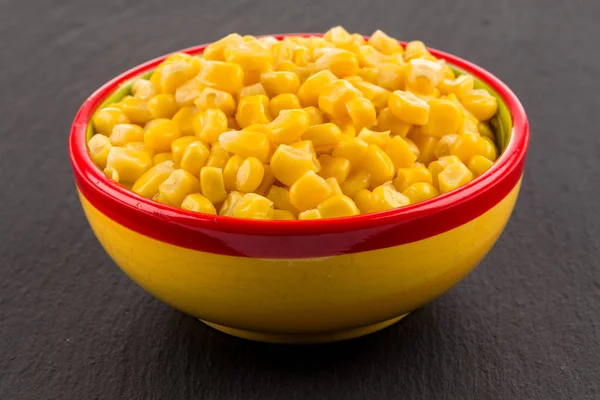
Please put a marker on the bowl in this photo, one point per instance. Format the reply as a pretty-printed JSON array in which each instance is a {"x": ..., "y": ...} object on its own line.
[{"x": 302, "y": 281}]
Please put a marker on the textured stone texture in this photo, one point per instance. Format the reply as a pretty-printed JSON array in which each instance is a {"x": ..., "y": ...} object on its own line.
[{"x": 524, "y": 325}]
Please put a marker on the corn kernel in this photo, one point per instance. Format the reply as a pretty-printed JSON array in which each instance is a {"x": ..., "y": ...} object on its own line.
[
  {"x": 462, "y": 86},
  {"x": 379, "y": 165},
  {"x": 369, "y": 57},
  {"x": 143, "y": 89},
  {"x": 415, "y": 49},
  {"x": 469, "y": 125},
  {"x": 426, "y": 145},
  {"x": 99, "y": 146},
  {"x": 246, "y": 144},
  {"x": 485, "y": 131},
  {"x": 198, "y": 203},
  {"x": 126, "y": 133},
  {"x": 309, "y": 214},
  {"x": 184, "y": 120},
  {"x": 340, "y": 62},
  {"x": 336, "y": 189},
  {"x": 469, "y": 144},
  {"x": 423, "y": 75},
  {"x": 374, "y": 137},
  {"x": 267, "y": 181},
  {"x": 111, "y": 174},
  {"x": 323, "y": 135},
  {"x": 212, "y": 185},
  {"x": 315, "y": 115},
  {"x": 229, "y": 203},
  {"x": 386, "y": 197},
  {"x": 384, "y": 43},
  {"x": 340, "y": 38},
  {"x": 130, "y": 164},
  {"x": 176, "y": 187},
  {"x": 105, "y": 119},
  {"x": 136, "y": 110},
  {"x": 253, "y": 110},
  {"x": 481, "y": 104},
  {"x": 364, "y": 200},
  {"x": 282, "y": 51},
  {"x": 225, "y": 76},
  {"x": 249, "y": 175},
  {"x": 407, "y": 176},
  {"x": 444, "y": 118},
  {"x": 289, "y": 126},
  {"x": 420, "y": 191},
  {"x": 479, "y": 164},
  {"x": 309, "y": 91},
  {"x": 362, "y": 113},
  {"x": 147, "y": 184},
  {"x": 390, "y": 77},
  {"x": 162, "y": 106},
  {"x": 375, "y": 94},
  {"x": 283, "y": 215},
  {"x": 413, "y": 147},
  {"x": 171, "y": 75},
  {"x": 141, "y": 146},
  {"x": 356, "y": 181},
  {"x": 408, "y": 108},
  {"x": 347, "y": 128},
  {"x": 400, "y": 152},
  {"x": 230, "y": 171},
  {"x": 250, "y": 55},
  {"x": 217, "y": 99},
  {"x": 194, "y": 157},
  {"x": 334, "y": 167},
  {"x": 387, "y": 121},
  {"x": 285, "y": 101},
  {"x": 443, "y": 146},
  {"x": 218, "y": 156},
  {"x": 252, "y": 90},
  {"x": 214, "y": 51},
  {"x": 309, "y": 191},
  {"x": 159, "y": 133},
  {"x": 354, "y": 150},
  {"x": 209, "y": 125},
  {"x": 279, "y": 82},
  {"x": 253, "y": 206},
  {"x": 369, "y": 74},
  {"x": 288, "y": 164},
  {"x": 334, "y": 97},
  {"x": 188, "y": 92},
  {"x": 338, "y": 206},
  {"x": 438, "y": 166},
  {"x": 162, "y": 157},
  {"x": 281, "y": 199},
  {"x": 178, "y": 146},
  {"x": 454, "y": 176}
]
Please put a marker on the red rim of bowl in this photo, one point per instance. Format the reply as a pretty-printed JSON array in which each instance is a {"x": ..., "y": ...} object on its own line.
[{"x": 437, "y": 215}]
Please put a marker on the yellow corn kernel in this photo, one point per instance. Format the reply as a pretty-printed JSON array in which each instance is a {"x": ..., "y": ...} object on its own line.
[
  {"x": 444, "y": 118},
  {"x": 112, "y": 174},
  {"x": 279, "y": 82},
  {"x": 315, "y": 115},
  {"x": 232, "y": 124},
  {"x": 408, "y": 108},
  {"x": 218, "y": 99},
  {"x": 309, "y": 91},
  {"x": 184, "y": 120},
  {"x": 448, "y": 71},
  {"x": 253, "y": 110},
  {"x": 323, "y": 135},
  {"x": 283, "y": 215},
  {"x": 105, "y": 119},
  {"x": 413, "y": 147},
  {"x": 178, "y": 146},
  {"x": 218, "y": 156},
  {"x": 267, "y": 181},
  {"x": 415, "y": 49},
  {"x": 288, "y": 164},
  {"x": 162, "y": 106},
  {"x": 250, "y": 55},
  {"x": 305, "y": 145},
  {"x": 454, "y": 176},
  {"x": 188, "y": 92},
  {"x": 375, "y": 94},
  {"x": 176, "y": 187},
  {"x": 252, "y": 90},
  {"x": 364, "y": 200},
  {"x": 379, "y": 165},
  {"x": 370, "y": 74},
  {"x": 334, "y": 167},
  {"x": 390, "y": 77},
  {"x": 347, "y": 127},
  {"x": 334, "y": 97},
  {"x": 159, "y": 133},
  {"x": 338, "y": 206},
  {"x": 386, "y": 197},
  {"x": 374, "y": 137},
  {"x": 336, "y": 189},
  {"x": 209, "y": 125},
  {"x": 480, "y": 103},
  {"x": 443, "y": 146},
  {"x": 249, "y": 175},
  {"x": 214, "y": 51},
  {"x": 426, "y": 145},
  {"x": 362, "y": 113},
  {"x": 282, "y": 51},
  {"x": 147, "y": 184},
  {"x": 340, "y": 38},
  {"x": 253, "y": 206},
  {"x": 246, "y": 144},
  {"x": 485, "y": 131},
  {"x": 230, "y": 171},
  {"x": 225, "y": 76},
  {"x": 356, "y": 181},
  {"x": 462, "y": 86},
  {"x": 229, "y": 204},
  {"x": 285, "y": 101},
  {"x": 130, "y": 164},
  {"x": 126, "y": 133},
  {"x": 423, "y": 75},
  {"x": 171, "y": 75},
  {"x": 438, "y": 166},
  {"x": 479, "y": 164},
  {"x": 420, "y": 191},
  {"x": 400, "y": 152},
  {"x": 143, "y": 89},
  {"x": 407, "y": 176},
  {"x": 140, "y": 146},
  {"x": 136, "y": 110},
  {"x": 289, "y": 126},
  {"x": 162, "y": 157},
  {"x": 353, "y": 150},
  {"x": 387, "y": 121},
  {"x": 384, "y": 43},
  {"x": 198, "y": 203},
  {"x": 212, "y": 185},
  {"x": 309, "y": 191},
  {"x": 309, "y": 214},
  {"x": 194, "y": 157},
  {"x": 281, "y": 198},
  {"x": 369, "y": 57},
  {"x": 469, "y": 144},
  {"x": 469, "y": 124},
  {"x": 99, "y": 146},
  {"x": 340, "y": 62}
]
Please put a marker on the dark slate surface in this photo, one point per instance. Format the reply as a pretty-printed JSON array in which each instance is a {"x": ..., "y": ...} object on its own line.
[{"x": 524, "y": 325}]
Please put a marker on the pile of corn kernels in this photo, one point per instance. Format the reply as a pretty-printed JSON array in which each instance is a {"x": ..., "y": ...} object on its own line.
[{"x": 302, "y": 128}]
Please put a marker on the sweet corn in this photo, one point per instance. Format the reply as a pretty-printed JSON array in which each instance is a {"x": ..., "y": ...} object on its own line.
[
  {"x": 384, "y": 43},
  {"x": 162, "y": 106},
  {"x": 485, "y": 131},
  {"x": 267, "y": 181},
  {"x": 194, "y": 157},
  {"x": 209, "y": 125},
  {"x": 176, "y": 187},
  {"x": 309, "y": 91},
  {"x": 334, "y": 167},
  {"x": 340, "y": 62},
  {"x": 218, "y": 99},
  {"x": 379, "y": 165},
  {"x": 386, "y": 197},
  {"x": 281, "y": 199},
  {"x": 438, "y": 166},
  {"x": 141, "y": 146},
  {"x": 309, "y": 214},
  {"x": 178, "y": 146},
  {"x": 340, "y": 38},
  {"x": 336, "y": 189},
  {"x": 375, "y": 94},
  {"x": 249, "y": 175},
  {"x": 454, "y": 176},
  {"x": 338, "y": 206},
  {"x": 253, "y": 110},
  {"x": 252, "y": 90},
  {"x": 246, "y": 144},
  {"x": 147, "y": 184},
  {"x": 289, "y": 126},
  {"x": 426, "y": 145},
  {"x": 323, "y": 135},
  {"x": 229, "y": 204},
  {"x": 130, "y": 164},
  {"x": 136, "y": 110},
  {"x": 214, "y": 51},
  {"x": 198, "y": 203},
  {"x": 347, "y": 128},
  {"x": 387, "y": 121},
  {"x": 126, "y": 133},
  {"x": 399, "y": 151},
  {"x": 479, "y": 164},
  {"x": 415, "y": 49},
  {"x": 283, "y": 215},
  {"x": 308, "y": 191},
  {"x": 369, "y": 74},
  {"x": 112, "y": 174},
  {"x": 279, "y": 82},
  {"x": 225, "y": 76},
  {"x": 444, "y": 118},
  {"x": 230, "y": 171},
  {"x": 369, "y": 57},
  {"x": 480, "y": 103},
  {"x": 423, "y": 75},
  {"x": 390, "y": 77},
  {"x": 315, "y": 115},
  {"x": 184, "y": 120},
  {"x": 356, "y": 181},
  {"x": 420, "y": 191},
  {"x": 162, "y": 157},
  {"x": 374, "y": 137},
  {"x": 282, "y": 51},
  {"x": 407, "y": 176},
  {"x": 362, "y": 113},
  {"x": 212, "y": 184},
  {"x": 443, "y": 146},
  {"x": 99, "y": 146},
  {"x": 470, "y": 144},
  {"x": 188, "y": 92},
  {"x": 250, "y": 55},
  {"x": 408, "y": 108},
  {"x": 218, "y": 156},
  {"x": 105, "y": 120},
  {"x": 159, "y": 133},
  {"x": 334, "y": 97},
  {"x": 171, "y": 75},
  {"x": 288, "y": 164},
  {"x": 364, "y": 200},
  {"x": 413, "y": 147},
  {"x": 143, "y": 89},
  {"x": 353, "y": 150},
  {"x": 253, "y": 206},
  {"x": 285, "y": 101},
  {"x": 462, "y": 86}
]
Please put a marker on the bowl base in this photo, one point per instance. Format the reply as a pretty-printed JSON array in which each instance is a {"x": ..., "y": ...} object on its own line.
[{"x": 305, "y": 338}]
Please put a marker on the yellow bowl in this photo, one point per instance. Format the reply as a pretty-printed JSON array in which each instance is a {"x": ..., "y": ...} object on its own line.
[{"x": 302, "y": 281}]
